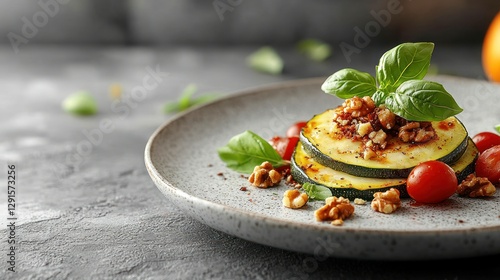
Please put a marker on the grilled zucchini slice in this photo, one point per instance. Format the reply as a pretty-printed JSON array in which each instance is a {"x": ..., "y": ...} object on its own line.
[
  {"x": 305, "y": 168},
  {"x": 326, "y": 144}
]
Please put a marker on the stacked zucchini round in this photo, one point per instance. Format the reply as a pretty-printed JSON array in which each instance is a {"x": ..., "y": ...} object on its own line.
[{"x": 324, "y": 157}]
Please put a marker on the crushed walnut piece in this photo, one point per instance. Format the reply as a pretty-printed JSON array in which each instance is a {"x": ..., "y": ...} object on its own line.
[
  {"x": 386, "y": 202},
  {"x": 416, "y": 132},
  {"x": 360, "y": 119},
  {"x": 294, "y": 199},
  {"x": 473, "y": 186},
  {"x": 364, "y": 129},
  {"x": 264, "y": 176},
  {"x": 291, "y": 182},
  {"x": 336, "y": 209},
  {"x": 337, "y": 222},
  {"x": 386, "y": 117},
  {"x": 358, "y": 107}
]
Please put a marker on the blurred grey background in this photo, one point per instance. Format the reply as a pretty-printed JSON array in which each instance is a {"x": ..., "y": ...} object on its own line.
[
  {"x": 358, "y": 31},
  {"x": 214, "y": 22}
]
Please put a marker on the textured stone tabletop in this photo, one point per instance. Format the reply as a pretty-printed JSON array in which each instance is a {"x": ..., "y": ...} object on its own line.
[{"x": 86, "y": 207}]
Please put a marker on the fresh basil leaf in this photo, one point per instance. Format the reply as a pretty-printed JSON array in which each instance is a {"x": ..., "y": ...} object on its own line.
[
  {"x": 497, "y": 128},
  {"x": 419, "y": 100},
  {"x": 266, "y": 60},
  {"x": 247, "y": 150},
  {"x": 186, "y": 100},
  {"x": 205, "y": 98},
  {"x": 407, "y": 61},
  {"x": 379, "y": 97},
  {"x": 316, "y": 192},
  {"x": 185, "y": 97},
  {"x": 314, "y": 49},
  {"x": 347, "y": 83}
]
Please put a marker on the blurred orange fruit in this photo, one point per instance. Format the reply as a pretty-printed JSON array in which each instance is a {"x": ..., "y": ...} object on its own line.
[{"x": 491, "y": 50}]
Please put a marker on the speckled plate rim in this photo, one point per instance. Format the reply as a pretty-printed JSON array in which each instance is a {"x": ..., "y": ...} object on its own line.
[{"x": 182, "y": 199}]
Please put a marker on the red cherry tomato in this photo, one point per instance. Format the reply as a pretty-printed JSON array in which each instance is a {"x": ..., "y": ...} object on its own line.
[
  {"x": 431, "y": 182},
  {"x": 488, "y": 165},
  {"x": 486, "y": 140},
  {"x": 294, "y": 130},
  {"x": 284, "y": 146}
]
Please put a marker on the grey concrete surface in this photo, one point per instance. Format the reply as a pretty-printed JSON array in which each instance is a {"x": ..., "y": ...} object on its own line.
[{"x": 90, "y": 211}]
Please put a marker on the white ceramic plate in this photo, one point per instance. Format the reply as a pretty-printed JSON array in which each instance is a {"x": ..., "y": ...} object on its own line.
[{"x": 182, "y": 161}]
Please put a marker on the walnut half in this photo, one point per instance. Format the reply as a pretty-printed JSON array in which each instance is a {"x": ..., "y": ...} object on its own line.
[
  {"x": 336, "y": 209},
  {"x": 473, "y": 186},
  {"x": 294, "y": 199},
  {"x": 264, "y": 176},
  {"x": 386, "y": 202}
]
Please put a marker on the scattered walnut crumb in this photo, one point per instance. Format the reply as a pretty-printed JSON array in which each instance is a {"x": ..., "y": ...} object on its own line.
[
  {"x": 360, "y": 119},
  {"x": 337, "y": 222},
  {"x": 359, "y": 201},
  {"x": 294, "y": 199},
  {"x": 244, "y": 189},
  {"x": 291, "y": 182},
  {"x": 386, "y": 202},
  {"x": 264, "y": 176},
  {"x": 473, "y": 186},
  {"x": 336, "y": 209}
]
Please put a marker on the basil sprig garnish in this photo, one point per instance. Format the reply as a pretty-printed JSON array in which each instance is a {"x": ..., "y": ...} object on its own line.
[
  {"x": 405, "y": 62},
  {"x": 247, "y": 150},
  {"x": 398, "y": 84}
]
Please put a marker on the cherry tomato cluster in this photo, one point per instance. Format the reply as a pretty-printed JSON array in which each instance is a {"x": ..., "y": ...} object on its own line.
[
  {"x": 488, "y": 162},
  {"x": 486, "y": 140},
  {"x": 286, "y": 145},
  {"x": 435, "y": 181}
]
